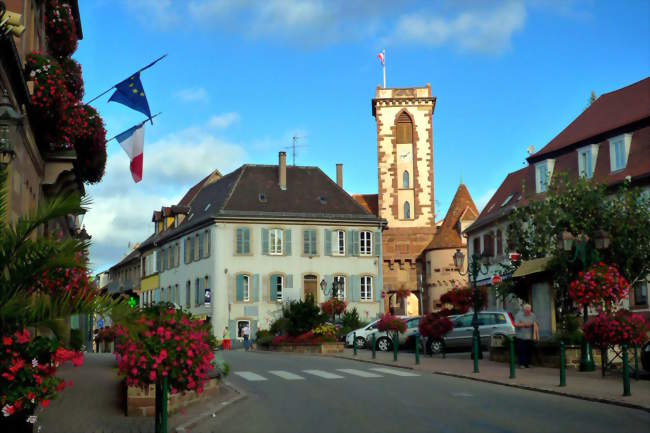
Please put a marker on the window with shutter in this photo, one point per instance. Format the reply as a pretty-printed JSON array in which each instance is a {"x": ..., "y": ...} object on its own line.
[
  {"x": 197, "y": 283},
  {"x": 206, "y": 242},
  {"x": 287, "y": 242},
  {"x": 265, "y": 241},
  {"x": 310, "y": 247},
  {"x": 328, "y": 242},
  {"x": 275, "y": 242},
  {"x": 366, "y": 243},
  {"x": 243, "y": 241},
  {"x": 338, "y": 243},
  {"x": 188, "y": 294},
  {"x": 197, "y": 243},
  {"x": 246, "y": 292},
  {"x": 172, "y": 259},
  {"x": 342, "y": 286},
  {"x": 200, "y": 237}
]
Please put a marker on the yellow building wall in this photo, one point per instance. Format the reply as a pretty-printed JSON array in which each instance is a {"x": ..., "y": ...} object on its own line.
[{"x": 149, "y": 283}]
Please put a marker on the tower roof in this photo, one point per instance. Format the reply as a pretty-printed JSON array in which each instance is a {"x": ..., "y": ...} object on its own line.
[{"x": 462, "y": 208}]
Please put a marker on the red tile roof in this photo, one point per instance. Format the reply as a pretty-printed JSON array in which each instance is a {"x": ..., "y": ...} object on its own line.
[
  {"x": 610, "y": 111},
  {"x": 370, "y": 202},
  {"x": 462, "y": 207}
]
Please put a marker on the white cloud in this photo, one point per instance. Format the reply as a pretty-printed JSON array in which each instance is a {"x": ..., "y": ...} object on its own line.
[
  {"x": 192, "y": 94},
  {"x": 160, "y": 13},
  {"x": 224, "y": 120},
  {"x": 487, "y": 31},
  {"x": 121, "y": 209}
]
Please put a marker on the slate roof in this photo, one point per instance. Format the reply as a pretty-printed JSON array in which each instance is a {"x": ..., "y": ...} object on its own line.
[
  {"x": 252, "y": 191},
  {"x": 462, "y": 207},
  {"x": 192, "y": 192},
  {"x": 133, "y": 255},
  {"x": 626, "y": 110}
]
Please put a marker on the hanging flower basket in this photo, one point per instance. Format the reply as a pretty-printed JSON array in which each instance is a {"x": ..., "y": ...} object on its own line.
[
  {"x": 60, "y": 29},
  {"x": 390, "y": 323},
  {"x": 622, "y": 327},
  {"x": 333, "y": 306},
  {"x": 435, "y": 326},
  {"x": 89, "y": 137},
  {"x": 73, "y": 284},
  {"x": 73, "y": 78},
  {"x": 462, "y": 299},
  {"x": 602, "y": 286}
]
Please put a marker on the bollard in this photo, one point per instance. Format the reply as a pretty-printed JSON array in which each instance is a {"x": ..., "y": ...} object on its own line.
[
  {"x": 562, "y": 364},
  {"x": 444, "y": 348},
  {"x": 161, "y": 405},
  {"x": 511, "y": 346},
  {"x": 374, "y": 353},
  {"x": 626, "y": 373},
  {"x": 395, "y": 346},
  {"x": 417, "y": 349},
  {"x": 636, "y": 363},
  {"x": 354, "y": 343},
  {"x": 476, "y": 347}
]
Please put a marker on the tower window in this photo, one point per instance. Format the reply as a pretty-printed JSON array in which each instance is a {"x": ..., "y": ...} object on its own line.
[
  {"x": 407, "y": 210},
  {"x": 405, "y": 179},
  {"x": 404, "y": 128}
]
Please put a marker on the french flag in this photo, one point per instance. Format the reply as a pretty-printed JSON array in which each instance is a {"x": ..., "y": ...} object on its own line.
[{"x": 132, "y": 141}]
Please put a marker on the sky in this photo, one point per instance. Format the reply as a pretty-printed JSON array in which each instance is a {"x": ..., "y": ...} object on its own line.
[{"x": 243, "y": 77}]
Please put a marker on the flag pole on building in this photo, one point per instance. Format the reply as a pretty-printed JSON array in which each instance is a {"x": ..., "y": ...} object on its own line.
[{"x": 382, "y": 59}]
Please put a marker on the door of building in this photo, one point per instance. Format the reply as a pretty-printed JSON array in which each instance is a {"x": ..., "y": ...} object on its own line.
[{"x": 310, "y": 286}]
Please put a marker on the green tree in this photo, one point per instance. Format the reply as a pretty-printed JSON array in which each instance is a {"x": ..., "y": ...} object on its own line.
[{"x": 582, "y": 207}]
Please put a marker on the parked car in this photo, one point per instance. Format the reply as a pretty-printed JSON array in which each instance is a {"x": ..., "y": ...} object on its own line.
[
  {"x": 362, "y": 334},
  {"x": 491, "y": 323},
  {"x": 384, "y": 341}
]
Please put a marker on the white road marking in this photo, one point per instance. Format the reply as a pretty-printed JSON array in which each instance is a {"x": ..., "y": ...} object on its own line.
[
  {"x": 462, "y": 394},
  {"x": 394, "y": 372},
  {"x": 359, "y": 373},
  {"x": 286, "y": 375},
  {"x": 248, "y": 375},
  {"x": 323, "y": 374}
]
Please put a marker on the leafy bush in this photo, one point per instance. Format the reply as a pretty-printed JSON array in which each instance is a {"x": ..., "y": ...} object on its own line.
[
  {"x": 351, "y": 319},
  {"x": 326, "y": 330},
  {"x": 75, "y": 340},
  {"x": 305, "y": 339},
  {"x": 264, "y": 338},
  {"x": 279, "y": 326},
  {"x": 302, "y": 316},
  {"x": 571, "y": 333}
]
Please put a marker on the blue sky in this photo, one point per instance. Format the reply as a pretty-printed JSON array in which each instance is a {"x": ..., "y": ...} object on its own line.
[{"x": 243, "y": 77}]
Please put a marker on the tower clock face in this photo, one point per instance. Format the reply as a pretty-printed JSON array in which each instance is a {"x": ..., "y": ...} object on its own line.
[{"x": 404, "y": 156}]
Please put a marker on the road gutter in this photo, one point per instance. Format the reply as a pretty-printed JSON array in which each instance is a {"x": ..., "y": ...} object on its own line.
[{"x": 239, "y": 395}]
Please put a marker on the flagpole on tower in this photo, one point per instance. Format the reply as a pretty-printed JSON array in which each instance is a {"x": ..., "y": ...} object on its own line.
[
  {"x": 384, "y": 68},
  {"x": 382, "y": 58}
]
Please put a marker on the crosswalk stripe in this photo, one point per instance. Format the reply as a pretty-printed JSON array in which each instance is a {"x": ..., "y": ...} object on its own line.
[
  {"x": 359, "y": 373},
  {"x": 249, "y": 375},
  {"x": 286, "y": 375},
  {"x": 323, "y": 374},
  {"x": 394, "y": 371}
]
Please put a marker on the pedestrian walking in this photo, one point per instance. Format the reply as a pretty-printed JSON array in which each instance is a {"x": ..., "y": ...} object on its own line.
[
  {"x": 246, "y": 333},
  {"x": 526, "y": 327},
  {"x": 225, "y": 344}
]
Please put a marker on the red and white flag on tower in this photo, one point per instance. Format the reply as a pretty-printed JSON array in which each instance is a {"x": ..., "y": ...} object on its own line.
[
  {"x": 382, "y": 58},
  {"x": 132, "y": 141}
]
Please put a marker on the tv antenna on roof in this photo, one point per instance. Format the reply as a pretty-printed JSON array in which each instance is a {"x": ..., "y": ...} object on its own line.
[
  {"x": 293, "y": 146},
  {"x": 531, "y": 149}
]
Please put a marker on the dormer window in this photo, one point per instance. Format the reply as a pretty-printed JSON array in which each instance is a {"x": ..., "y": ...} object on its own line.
[
  {"x": 587, "y": 160},
  {"x": 507, "y": 200},
  {"x": 322, "y": 199},
  {"x": 619, "y": 150},
  {"x": 543, "y": 173},
  {"x": 262, "y": 197}
]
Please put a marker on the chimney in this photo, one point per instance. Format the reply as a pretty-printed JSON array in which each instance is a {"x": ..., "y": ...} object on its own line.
[
  {"x": 339, "y": 175},
  {"x": 282, "y": 169}
]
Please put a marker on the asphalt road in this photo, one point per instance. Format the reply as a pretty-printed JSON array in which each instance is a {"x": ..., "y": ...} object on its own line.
[{"x": 294, "y": 393}]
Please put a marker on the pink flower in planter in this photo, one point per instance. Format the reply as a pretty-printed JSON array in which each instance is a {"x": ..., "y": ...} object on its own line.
[{"x": 152, "y": 375}]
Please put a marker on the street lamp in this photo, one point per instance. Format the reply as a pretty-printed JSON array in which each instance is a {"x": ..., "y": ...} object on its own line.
[
  {"x": 584, "y": 252},
  {"x": 475, "y": 266},
  {"x": 9, "y": 119},
  {"x": 337, "y": 286}
]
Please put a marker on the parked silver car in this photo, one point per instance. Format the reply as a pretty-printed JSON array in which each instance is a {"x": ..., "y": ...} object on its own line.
[
  {"x": 491, "y": 323},
  {"x": 384, "y": 341}
]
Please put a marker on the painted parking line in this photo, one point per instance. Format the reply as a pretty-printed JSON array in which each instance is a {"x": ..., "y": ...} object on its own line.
[
  {"x": 286, "y": 375},
  {"x": 359, "y": 373},
  {"x": 249, "y": 375},
  {"x": 323, "y": 374},
  {"x": 394, "y": 372}
]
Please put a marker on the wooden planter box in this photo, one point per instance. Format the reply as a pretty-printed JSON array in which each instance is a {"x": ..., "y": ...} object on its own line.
[
  {"x": 547, "y": 355},
  {"x": 142, "y": 401},
  {"x": 334, "y": 347}
]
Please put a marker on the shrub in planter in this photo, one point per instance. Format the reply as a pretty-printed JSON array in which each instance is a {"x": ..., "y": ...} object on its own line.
[
  {"x": 164, "y": 342},
  {"x": 264, "y": 338},
  {"x": 326, "y": 331},
  {"x": 390, "y": 323},
  {"x": 435, "y": 326},
  {"x": 302, "y": 316},
  {"x": 602, "y": 286},
  {"x": 622, "y": 327},
  {"x": 60, "y": 29}
]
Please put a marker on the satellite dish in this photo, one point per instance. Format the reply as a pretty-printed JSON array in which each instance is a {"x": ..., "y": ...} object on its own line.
[{"x": 531, "y": 149}]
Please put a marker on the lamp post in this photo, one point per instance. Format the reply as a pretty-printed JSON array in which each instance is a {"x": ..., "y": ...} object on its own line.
[
  {"x": 586, "y": 253},
  {"x": 332, "y": 292},
  {"x": 9, "y": 119},
  {"x": 474, "y": 267}
]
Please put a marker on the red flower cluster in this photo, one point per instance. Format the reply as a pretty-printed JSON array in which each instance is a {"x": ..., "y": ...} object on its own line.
[
  {"x": 403, "y": 293},
  {"x": 165, "y": 342},
  {"x": 390, "y": 323},
  {"x": 106, "y": 334},
  {"x": 333, "y": 306},
  {"x": 462, "y": 299},
  {"x": 306, "y": 339},
  {"x": 90, "y": 143},
  {"x": 60, "y": 29},
  {"x": 72, "y": 75},
  {"x": 601, "y": 286},
  {"x": 73, "y": 282},
  {"x": 622, "y": 327},
  {"x": 435, "y": 325},
  {"x": 27, "y": 371}
]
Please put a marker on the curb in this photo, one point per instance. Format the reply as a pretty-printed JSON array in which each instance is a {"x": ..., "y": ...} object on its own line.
[
  {"x": 240, "y": 395},
  {"x": 511, "y": 385}
]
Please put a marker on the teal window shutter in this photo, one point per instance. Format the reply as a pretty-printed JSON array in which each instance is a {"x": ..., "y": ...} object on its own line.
[
  {"x": 207, "y": 243},
  {"x": 239, "y": 241},
  {"x": 377, "y": 246},
  {"x": 287, "y": 242},
  {"x": 265, "y": 241},
  {"x": 379, "y": 287},
  {"x": 289, "y": 281},
  {"x": 328, "y": 242},
  {"x": 256, "y": 288},
  {"x": 247, "y": 241},
  {"x": 239, "y": 288},
  {"x": 356, "y": 242},
  {"x": 273, "y": 282},
  {"x": 253, "y": 329},
  {"x": 306, "y": 243},
  {"x": 200, "y": 245},
  {"x": 349, "y": 241},
  {"x": 355, "y": 288},
  {"x": 191, "y": 249},
  {"x": 328, "y": 281},
  {"x": 232, "y": 325}
]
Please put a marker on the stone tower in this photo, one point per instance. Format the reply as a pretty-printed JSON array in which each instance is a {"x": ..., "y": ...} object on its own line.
[{"x": 405, "y": 169}]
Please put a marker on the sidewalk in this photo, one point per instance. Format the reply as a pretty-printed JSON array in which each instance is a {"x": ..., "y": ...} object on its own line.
[
  {"x": 588, "y": 386},
  {"x": 92, "y": 405}
]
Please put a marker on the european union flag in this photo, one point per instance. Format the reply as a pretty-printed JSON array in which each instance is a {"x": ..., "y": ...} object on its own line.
[{"x": 131, "y": 93}]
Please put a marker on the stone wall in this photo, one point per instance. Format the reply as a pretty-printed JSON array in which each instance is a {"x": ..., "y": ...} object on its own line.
[{"x": 142, "y": 402}]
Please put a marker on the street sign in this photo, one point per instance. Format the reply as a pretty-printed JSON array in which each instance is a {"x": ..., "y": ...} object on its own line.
[
  {"x": 496, "y": 279},
  {"x": 100, "y": 323}
]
